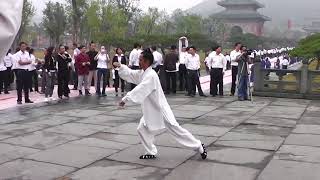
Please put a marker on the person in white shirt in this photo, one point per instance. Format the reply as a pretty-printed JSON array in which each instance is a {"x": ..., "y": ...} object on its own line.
[
  {"x": 234, "y": 66},
  {"x": 157, "y": 114},
  {"x": 103, "y": 60},
  {"x": 183, "y": 79},
  {"x": 10, "y": 15},
  {"x": 22, "y": 74},
  {"x": 3, "y": 82},
  {"x": 134, "y": 59},
  {"x": 9, "y": 77},
  {"x": 228, "y": 58},
  {"x": 120, "y": 58},
  {"x": 217, "y": 64},
  {"x": 285, "y": 63},
  {"x": 158, "y": 59},
  {"x": 76, "y": 52},
  {"x": 33, "y": 71},
  {"x": 193, "y": 65}
]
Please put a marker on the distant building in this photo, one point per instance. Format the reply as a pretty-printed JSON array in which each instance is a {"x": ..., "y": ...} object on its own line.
[
  {"x": 314, "y": 28},
  {"x": 243, "y": 14}
]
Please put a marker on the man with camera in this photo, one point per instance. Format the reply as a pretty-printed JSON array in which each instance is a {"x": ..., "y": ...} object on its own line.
[{"x": 243, "y": 61}]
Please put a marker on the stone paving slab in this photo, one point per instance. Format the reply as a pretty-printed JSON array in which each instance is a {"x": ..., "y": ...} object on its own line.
[
  {"x": 48, "y": 121},
  {"x": 193, "y": 170},
  {"x": 168, "y": 157},
  {"x": 94, "y": 142},
  {"x": 307, "y": 129},
  {"x": 41, "y": 140},
  {"x": 239, "y": 156},
  {"x": 263, "y": 130},
  {"x": 132, "y": 113},
  {"x": 77, "y": 129},
  {"x": 222, "y": 113},
  {"x": 106, "y": 120},
  {"x": 271, "y": 121},
  {"x": 299, "y": 153},
  {"x": 9, "y": 130},
  {"x": 196, "y": 108},
  {"x": 204, "y": 130},
  {"x": 80, "y": 113},
  {"x": 188, "y": 114},
  {"x": 72, "y": 155},
  {"x": 303, "y": 140},
  {"x": 103, "y": 170},
  {"x": 280, "y": 170},
  {"x": 122, "y": 138},
  {"x": 281, "y": 112},
  {"x": 32, "y": 170},
  {"x": 128, "y": 128},
  {"x": 229, "y": 121},
  {"x": 10, "y": 152},
  {"x": 254, "y": 141},
  {"x": 309, "y": 120},
  {"x": 291, "y": 102},
  {"x": 166, "y": 139}
]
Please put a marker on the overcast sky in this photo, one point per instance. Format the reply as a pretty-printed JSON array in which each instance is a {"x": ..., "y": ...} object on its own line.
[{"x": 168, "y": 5}]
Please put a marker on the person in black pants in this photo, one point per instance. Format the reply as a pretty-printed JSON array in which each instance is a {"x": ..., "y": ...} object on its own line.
[
  {"x": 183, "y": 80},
  {"x": 170, "y": 67},
  {"x": 22, "y": 73},
  {"x": 218, "y": 64},
  {"x": 119, "y": 57},
  {"x": 234, "y": 66},
  {"x": 63, "y": 60}
]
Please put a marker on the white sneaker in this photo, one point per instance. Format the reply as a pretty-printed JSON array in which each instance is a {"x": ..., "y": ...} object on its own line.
[{"x": 46, "y": 100}]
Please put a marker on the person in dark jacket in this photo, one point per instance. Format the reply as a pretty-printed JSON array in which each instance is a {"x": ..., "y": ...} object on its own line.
[
  {"x": 92, "y": 53},
  {"x": 170, "y": 66},
  {"x": 63, "y": 60},
  {"x": 82, "y": 65},
  {"x": 119, "y": 57},
  {"x": 50, "y": 73}
]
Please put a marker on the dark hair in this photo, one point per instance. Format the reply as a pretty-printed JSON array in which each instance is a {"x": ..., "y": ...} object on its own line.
[
  {"x": 66, "y": 48},
  {"x": 243, "y": 46},
  {"x": 147, "y": 55},
  {"x": 193, "y": 47},
  {"x": 18, "y": 49},
  {"x": 91, "y": 43},
  {"x": 154, "y": 48},
  {"x": 118, "y": 50},
  {"x": 61, "y": 46},
  {"x": 81, "y": 47},
  {"x": 215, "y": 48},
  {"x": 31, "y": 51},
  {"x": 50, "y": 50},
  {"x": 9, "y": 51},
  {"x": 136, "y": 45},
  {"x": 173, "y": 47},
  {"x": 22, "y": 43},
  {"x": 236, "y": 44}
]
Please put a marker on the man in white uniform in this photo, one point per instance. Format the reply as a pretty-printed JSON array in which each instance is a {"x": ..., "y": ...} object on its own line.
[
  {"x": 158, "y": 59},
  {"x": 134, "y": 59},
  {"x": 234, "y": 66},
  {"x": 10, "y": 21},
  {"x": 157, "y": 114}
]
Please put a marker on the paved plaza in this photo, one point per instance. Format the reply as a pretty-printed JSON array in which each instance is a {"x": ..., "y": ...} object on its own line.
[{"x": 91, "y": 139}]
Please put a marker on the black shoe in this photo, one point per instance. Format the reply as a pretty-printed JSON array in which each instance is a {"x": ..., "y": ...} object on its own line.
[
  {"x": 104, "y": 94},
  {"x": 28, "y": 101},
  {"x": 19, "y": 102},
  {"x": 231, "y": 94},
  {"x": 60, "y": 97},
  {"x": 205, "y": 153},
  {"x": 203, "y": 95},
  {"x": 192, "y": 95},
  {"x": 80, "y": 93},
  {"x": 87, "y": 93},
  {"x": 67, "y": 96},
  {"x": 6, "y": 92}
]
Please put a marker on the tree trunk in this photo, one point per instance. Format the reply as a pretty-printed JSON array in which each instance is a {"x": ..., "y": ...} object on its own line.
[{"x": 318, "y": 65}]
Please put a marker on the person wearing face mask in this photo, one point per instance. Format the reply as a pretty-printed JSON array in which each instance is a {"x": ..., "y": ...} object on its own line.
[
  {"x": 120, "y": 58},
  {"x": 103, "y": 60}
]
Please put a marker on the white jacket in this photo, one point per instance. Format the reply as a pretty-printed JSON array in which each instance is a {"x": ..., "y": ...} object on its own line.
[
  {"x": 149, "y": 94},
  {"x": 10, "y": 21}
]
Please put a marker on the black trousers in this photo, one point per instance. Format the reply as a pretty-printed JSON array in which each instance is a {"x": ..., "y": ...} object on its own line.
[
  {"x": 9, "y": 76},
  {"x": 183, "y": 79},
  {"x": 134, "y": 68},
  {"x": 23, "y": 82},
  {"x": 3, "y": 81},
  {"x": 193, "y": 77},
  {"x": 75, "y": 78},
  {"x": 234, "y": 70},
  {"x": 117, "y": 82},
  {"x": 63, "y": 82},
  {"x": 216, "y": 76},
  {"x": 171, "y": 79},
  {"x": 34, "y": 80}
]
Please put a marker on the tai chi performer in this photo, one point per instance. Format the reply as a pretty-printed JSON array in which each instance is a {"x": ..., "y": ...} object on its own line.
[{"x": 157, "y": 114}]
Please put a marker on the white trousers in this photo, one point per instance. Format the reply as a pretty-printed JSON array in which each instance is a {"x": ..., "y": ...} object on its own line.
[{"x": 180, "y": 134}]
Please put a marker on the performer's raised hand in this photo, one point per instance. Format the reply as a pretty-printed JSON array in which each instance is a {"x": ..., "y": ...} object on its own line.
[{"x": 116, "y": 64}]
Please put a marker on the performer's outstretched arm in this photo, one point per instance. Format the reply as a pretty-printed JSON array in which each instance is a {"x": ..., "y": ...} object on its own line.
[
  {"x": 10, "y": 21},
  {"x": 142, "y": 91},
  {"x": 129, "y": 75}
]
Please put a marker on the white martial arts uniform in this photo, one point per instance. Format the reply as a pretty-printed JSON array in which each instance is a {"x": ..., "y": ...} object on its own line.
[
  {"x": 157, "y": 114},
  {"x": 10, "y": 21}
]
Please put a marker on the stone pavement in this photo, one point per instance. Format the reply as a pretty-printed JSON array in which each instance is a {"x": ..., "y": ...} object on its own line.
[{"x": 91, "y": 139}]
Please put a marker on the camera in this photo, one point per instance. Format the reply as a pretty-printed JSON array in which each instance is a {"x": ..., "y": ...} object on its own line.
[{"x": 248, "y": 52}]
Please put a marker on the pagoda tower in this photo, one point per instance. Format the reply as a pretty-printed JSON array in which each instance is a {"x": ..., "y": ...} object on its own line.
[{"x": 243, "y": 14}]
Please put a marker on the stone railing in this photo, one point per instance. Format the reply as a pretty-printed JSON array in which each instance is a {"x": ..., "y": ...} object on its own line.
[{"x": 302, "y": 83}]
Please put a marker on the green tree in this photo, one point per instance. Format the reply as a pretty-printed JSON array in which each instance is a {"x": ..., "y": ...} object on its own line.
[
  {"x": 77, "y": 10},
  {"x": 148, "y": 22},
  {"x": 28, "y": 12},
  {"x": 214, "y": 28},
  {"x": 54, "y": 21}
]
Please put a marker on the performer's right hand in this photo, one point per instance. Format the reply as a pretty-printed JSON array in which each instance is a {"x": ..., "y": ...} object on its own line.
[{"x": 116, "y": 64}]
